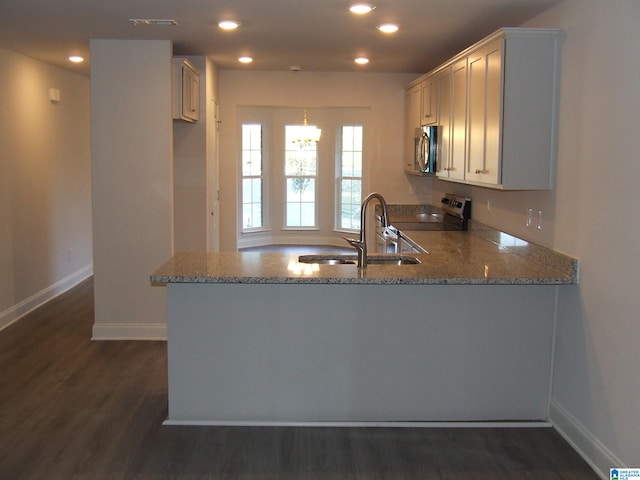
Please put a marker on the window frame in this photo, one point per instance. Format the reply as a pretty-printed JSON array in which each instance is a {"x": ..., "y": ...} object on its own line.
[
  {"x": 263, "y": 176},
  {"x": 315, "y": 178},
  {"x": 340, "y": 176}
]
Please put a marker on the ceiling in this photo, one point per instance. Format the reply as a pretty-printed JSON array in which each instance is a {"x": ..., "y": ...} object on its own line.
[{"x": 317, "y": 35}]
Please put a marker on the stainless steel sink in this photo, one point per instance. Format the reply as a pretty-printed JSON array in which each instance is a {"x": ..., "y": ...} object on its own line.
[{"x": 352, "y": 259}]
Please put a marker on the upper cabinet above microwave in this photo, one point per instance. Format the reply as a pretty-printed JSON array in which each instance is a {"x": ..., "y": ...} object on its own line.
[
  {"x": 496, "y": 106},
  {"x": 186, "y": 90}
]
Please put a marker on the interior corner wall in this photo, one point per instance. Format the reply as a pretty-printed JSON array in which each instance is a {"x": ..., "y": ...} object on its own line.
[
  {"x": 132, "y": 155},
  {"x": 45, "y": 184},
  {"x": 596, "y": 390},
  {"x": 190, "y": 172},
  {"x": 213, "y": 160}
]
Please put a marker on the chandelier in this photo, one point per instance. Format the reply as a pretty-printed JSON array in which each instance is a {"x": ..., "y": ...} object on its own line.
[{"x": 305, "y": 135}]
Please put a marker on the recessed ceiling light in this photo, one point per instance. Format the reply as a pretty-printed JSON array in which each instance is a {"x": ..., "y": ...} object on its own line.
[
  {"x": 228, "y": 25},
  {"x": 361, "y": 8},
  {"x": 388, "y": 28},
  {"x": 245, "y": 59},
  {"x": 361, "y": 60},
  {"x": 76, "y": 59}
]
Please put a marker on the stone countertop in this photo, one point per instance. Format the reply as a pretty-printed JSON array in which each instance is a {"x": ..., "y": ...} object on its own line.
[{"x": 481, "y": 256}]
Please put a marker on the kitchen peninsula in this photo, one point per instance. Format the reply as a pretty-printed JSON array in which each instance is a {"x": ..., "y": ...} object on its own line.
[{"x": 466, "y": 335}]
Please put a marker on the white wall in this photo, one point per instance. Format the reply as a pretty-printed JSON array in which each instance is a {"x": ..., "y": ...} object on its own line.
[
  {"x": 193, "y": 153},
  {"x": 597, "y": 378},
  {"x": 592, "y": 215},
  {"x": 213, "y": 147},
  {"x": 132, "y": 153},
  {"x": 383, "y": 94},
  {"x": 45, "y": 184}
]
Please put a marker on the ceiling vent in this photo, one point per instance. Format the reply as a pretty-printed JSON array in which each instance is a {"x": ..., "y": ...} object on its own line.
[{"x": 153, "y": 21}]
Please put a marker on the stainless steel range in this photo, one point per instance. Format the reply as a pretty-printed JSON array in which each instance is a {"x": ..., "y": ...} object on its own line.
[
  {"x": 457, "y": 212},
  {"x": 454, "y": 214}
]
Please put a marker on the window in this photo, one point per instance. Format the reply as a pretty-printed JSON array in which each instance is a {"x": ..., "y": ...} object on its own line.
[
  {"x": 252, "y": 178},
  {"x": 349, "y": 178},
  {"x": 292, "y": 194},
  {"x": 300, "y": 181}
]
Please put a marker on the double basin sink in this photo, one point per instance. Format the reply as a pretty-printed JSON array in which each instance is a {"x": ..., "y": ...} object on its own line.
[{"x": 353, "y": 259}]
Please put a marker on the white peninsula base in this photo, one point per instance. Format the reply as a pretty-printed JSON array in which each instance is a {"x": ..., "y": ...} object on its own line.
[{"x": 305, "y": 353}]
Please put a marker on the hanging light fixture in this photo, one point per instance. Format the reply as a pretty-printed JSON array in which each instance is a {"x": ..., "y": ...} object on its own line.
[{"x": 306, "y": 135}]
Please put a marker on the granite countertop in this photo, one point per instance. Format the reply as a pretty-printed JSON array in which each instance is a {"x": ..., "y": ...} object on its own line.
[{"x": 481, "y": 256}]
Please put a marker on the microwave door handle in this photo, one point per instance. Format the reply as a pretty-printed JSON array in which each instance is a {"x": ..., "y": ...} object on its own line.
[{"x": 422, "y": 152}]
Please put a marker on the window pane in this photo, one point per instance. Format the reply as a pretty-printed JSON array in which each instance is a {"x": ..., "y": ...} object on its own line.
[
  {"x": 256, "y": 211},
  {"x": 357, "y": 164},
  {"x": 307, "y": 214},
  {"x": 293, "y": 214},
  {"x": 301, "y": 205},
  {"x": 246, "y": 191},
  {"x": 347, "y": 164},
  {"x": 256, "y": 190},
  {"x": 300, "y": 162}
]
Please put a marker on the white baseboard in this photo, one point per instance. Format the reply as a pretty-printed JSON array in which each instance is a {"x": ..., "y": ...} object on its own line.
[
  {"x": 127, "y": 331},
  {"x": 15, "y": 313},
  {"x": 371, "y": 424},
  {"x": 594, "y": 452}
]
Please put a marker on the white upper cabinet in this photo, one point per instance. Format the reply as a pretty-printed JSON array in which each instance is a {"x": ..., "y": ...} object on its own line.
[
  {"x": 186, "y": 90},
  {"x": 443, "y": 163},
  {"x": 497, "y": 109},
  {"x": 430, "y": 92},
  {"x": 411, "y": 122},
  {"x": 483, "y": 137},
  {"x": 458, "y": 120}
]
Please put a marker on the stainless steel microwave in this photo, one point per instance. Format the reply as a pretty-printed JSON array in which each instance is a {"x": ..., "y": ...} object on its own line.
[{"x": 425, "y": 151}]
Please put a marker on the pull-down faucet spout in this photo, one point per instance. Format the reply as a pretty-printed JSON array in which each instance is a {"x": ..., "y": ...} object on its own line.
[{"x": 361, "y": 244}]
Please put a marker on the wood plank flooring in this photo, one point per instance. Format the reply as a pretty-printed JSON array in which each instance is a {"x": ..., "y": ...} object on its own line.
[{"x": 74, "y": 409}]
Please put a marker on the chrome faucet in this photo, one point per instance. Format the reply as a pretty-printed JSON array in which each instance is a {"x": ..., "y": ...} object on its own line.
[{"x": 361, "y": 244}]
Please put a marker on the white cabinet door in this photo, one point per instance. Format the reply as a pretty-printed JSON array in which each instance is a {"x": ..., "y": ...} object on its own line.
[
  {"x": 485, "y": 88},
  {"x": 412, "y": 121},
  {"x": 430, "y": 93},
  {"x": 444, "y": 125},
  {"x": 186, "y": 90},
  {"x": 190, "y": 93},
  {"x": 458, "y": 120}
]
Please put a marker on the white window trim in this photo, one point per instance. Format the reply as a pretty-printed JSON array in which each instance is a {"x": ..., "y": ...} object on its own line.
[
  {"x": 338, "y": 168},
  {"x": 266, "y": 224}
]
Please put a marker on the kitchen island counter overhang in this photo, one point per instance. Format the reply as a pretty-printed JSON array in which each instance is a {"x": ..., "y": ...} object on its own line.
[{"x": 251, "y": 341}]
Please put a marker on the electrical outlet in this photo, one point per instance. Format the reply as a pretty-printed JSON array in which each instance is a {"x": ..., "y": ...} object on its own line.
[{"x": 539, "y": 219}]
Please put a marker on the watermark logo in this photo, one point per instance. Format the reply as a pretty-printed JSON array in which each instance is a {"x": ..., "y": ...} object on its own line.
[{"x": 624, "y": 474}]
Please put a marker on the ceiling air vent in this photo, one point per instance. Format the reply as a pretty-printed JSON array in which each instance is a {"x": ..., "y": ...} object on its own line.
[{"x": 153, "y": 21}]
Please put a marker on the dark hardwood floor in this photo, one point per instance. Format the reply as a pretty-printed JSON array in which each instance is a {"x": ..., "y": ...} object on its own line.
[{"x": 74, "y": 409}]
